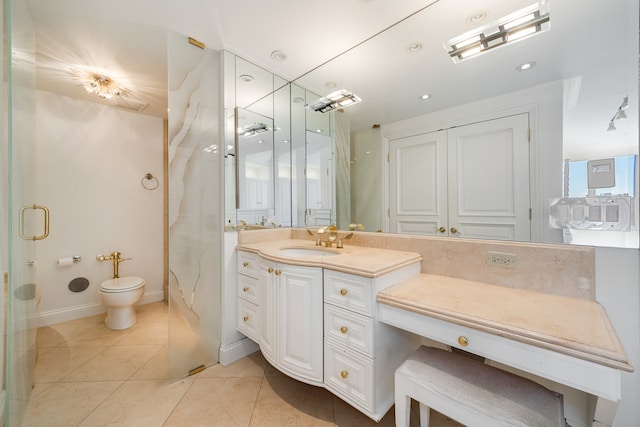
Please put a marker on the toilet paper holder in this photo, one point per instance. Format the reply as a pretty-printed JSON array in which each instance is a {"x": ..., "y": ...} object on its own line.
[{"x": 75, "y": 258}]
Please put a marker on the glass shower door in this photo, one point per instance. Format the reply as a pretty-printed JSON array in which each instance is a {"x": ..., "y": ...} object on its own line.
[
  {"x": 195, "y": 206},
  {"x": 27, "y": 221}
]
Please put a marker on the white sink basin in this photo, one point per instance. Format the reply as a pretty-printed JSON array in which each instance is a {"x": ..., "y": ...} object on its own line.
[{"x": 307, "y": 252}]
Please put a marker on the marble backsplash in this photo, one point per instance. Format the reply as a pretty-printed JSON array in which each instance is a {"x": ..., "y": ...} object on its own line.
[{"x": 553, "y": 269}]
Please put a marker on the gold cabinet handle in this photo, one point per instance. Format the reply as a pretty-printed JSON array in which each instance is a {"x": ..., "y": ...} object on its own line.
[
  {"x": 344, "y": 329},
  {"x": 442, "y": 229},
  {"x": 454, "y": 230},
  {"x": 278, "y": 272},
  {"x": 245, "y": 264},
  {"x": 245, "y": 318},
  {"x": 343, "y": 292},
  {"x": 245, "y": 289},
  {"x": 270, "y": 270},
  {"x": 463, "y": 341},
  {"x": 344, "y": 374}
]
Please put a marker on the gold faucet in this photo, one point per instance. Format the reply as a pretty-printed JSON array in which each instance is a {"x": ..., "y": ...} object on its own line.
[{"x": 115, "y": 257}]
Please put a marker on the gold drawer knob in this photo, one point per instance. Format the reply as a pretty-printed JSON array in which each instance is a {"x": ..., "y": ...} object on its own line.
[
  {"x": 344, "y": 374},
  {"x": 245, "y": 264},
  {"x": 245, "y": 289},
  {"x": 344, "y": 329},
  {"x": 463, "y": 341},
  {"x": 278, "y": 272},
  {"x": 343, "y": 291},
  {"x": 442, "y": 229},
  {"x": 245, "y": 318},
  {"x": 270, "y": 270},
  {"x": 454, "y": 230}
]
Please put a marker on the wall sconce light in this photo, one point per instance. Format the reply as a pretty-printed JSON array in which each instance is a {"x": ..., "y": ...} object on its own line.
[
  {"x": 514, "y": 27},
  {"x": 338, "y": 99},
  {"x": 620, "y": 114}
]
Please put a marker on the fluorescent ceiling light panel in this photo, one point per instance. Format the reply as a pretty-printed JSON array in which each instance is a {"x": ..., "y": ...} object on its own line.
[{"x": 513, "y": 27}]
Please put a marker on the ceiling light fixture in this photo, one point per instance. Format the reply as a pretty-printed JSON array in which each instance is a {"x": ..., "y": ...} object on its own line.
[
  {"x": 526, "y": 66},
  {"x": 99, "y": 83},
  {"x": 414, "y": 47},
  {"x": 246, "y": 78},
  {"x": 338, "y": 99},
  {"x": 425, "y": 96},
  {"x": 253, "y": 129},
  {"x": 278, "y": 55},
  {"x": 514, "y": 27},
  {"x": 620, "y": 114}
]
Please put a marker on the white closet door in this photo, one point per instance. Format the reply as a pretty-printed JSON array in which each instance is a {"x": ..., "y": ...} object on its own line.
[
  {"x": 418, "y": 184},
  {"x": 489, "y": 179}
]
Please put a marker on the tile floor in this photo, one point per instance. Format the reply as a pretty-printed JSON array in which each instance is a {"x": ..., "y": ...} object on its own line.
[{"x": 88, "y": 375}]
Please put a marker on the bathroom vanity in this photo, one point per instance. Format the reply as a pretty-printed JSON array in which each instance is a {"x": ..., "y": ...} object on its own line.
[
  {"x": 345, "y": 319},
  {"x": 313, "y": 312}
]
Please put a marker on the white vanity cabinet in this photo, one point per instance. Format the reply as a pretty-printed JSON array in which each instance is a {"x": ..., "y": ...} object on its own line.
[
  {"x": 360, "y": 353},
  {"x": 248, "y": 295},
  {"x": 291, "y": 319}
]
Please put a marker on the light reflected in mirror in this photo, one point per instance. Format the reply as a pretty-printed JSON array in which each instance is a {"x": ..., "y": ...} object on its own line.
[
  {"x": 254, "y": 157},
  {"x": 571, "y": 95}
]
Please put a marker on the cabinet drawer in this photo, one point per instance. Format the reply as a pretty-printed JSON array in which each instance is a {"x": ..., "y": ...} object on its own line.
[
  {"x": 352, "y": 330},
  {"x": 248, "y": 264},
  {"x": 248, "y": 321},
  {"x": 349, "y": 375},
  {"x": 349, "y": 292},
  {"x": 248, "y": 289}
]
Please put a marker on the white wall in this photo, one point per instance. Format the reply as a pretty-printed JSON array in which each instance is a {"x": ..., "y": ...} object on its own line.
[
  {"x": 618, "y": 290},
  {"x": 91, "y": 160}
]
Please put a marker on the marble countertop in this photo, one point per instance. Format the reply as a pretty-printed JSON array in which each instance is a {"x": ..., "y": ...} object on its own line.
[
  {"x": 358, "y": 260},
  {"x": 572, "y": 326}
]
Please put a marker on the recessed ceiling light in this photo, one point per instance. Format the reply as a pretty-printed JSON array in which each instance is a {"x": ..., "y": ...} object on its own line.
[
  {"x": 526, "y": 66},
  {"x": 278, "y": 55},
  {"x": 425, "y": 96},
  {"x": 298, "y": 100},
  {"x": 246, "y": 78},
  {"x": 330, "y": 85},
  {"x": 414, "y": 47},
  {"x": 477, "y": 16}
]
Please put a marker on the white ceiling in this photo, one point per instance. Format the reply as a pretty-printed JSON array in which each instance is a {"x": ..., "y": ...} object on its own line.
[{"x": 128, "y": 39}]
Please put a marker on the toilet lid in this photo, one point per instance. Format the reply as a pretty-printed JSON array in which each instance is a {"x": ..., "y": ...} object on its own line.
[{"x": 122, "y": 284}]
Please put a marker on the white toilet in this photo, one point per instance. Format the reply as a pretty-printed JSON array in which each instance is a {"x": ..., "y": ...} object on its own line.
[{"x": 119, "y": 296}]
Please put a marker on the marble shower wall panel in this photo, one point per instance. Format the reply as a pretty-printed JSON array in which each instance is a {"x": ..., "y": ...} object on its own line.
[{"x": 195, "y": 205}]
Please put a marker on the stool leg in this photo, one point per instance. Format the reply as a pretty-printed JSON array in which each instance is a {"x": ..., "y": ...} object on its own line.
[
  {"x": 424, "y": 415},
  {"x": 403, "y": 403}
]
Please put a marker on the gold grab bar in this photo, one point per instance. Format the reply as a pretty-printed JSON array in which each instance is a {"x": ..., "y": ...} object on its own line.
[{"x": 46, "y": 222}]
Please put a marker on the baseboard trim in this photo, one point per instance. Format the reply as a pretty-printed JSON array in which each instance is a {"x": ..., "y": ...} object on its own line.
[
  {"x": 53, "y": 317},
  {"x": 237, "y": 350}
]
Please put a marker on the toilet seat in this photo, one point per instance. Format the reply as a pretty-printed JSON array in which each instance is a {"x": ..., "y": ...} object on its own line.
[{"x": 122, "y": 284}]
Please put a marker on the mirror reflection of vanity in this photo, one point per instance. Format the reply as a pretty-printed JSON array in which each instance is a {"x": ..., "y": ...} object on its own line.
[{"x": 570, "y": 98}]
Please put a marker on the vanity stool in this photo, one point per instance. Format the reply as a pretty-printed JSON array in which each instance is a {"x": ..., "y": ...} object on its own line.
[{"x": 472, "y": 393}]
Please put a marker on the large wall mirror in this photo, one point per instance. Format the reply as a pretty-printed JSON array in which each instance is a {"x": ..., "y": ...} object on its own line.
[
  {"x": 580, "y": 84},
  {"x": 577, "y": 100}
]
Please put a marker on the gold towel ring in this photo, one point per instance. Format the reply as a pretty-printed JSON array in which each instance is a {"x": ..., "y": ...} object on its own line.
[{"x": 152, "y": 185}]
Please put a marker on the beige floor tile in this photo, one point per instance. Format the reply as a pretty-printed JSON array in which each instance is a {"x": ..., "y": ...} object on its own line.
[
  {"x": 61, "y": 361},
  {"x": 153, "y": 312},
  {"x": 65, "y": 404},
  {"x": 52, "y": 335},
  {"x": 217, "y": 402},
  {"x": 283, "y": 401},
  {"x": 253, "y": 365},
  {"x": 145, "y": 403},
  {"x": 157, "y": 368},
  {"x": 147, "y": 333},
  {"x": 115, "y": 363},
  {"x": 97, "y": 335}
]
